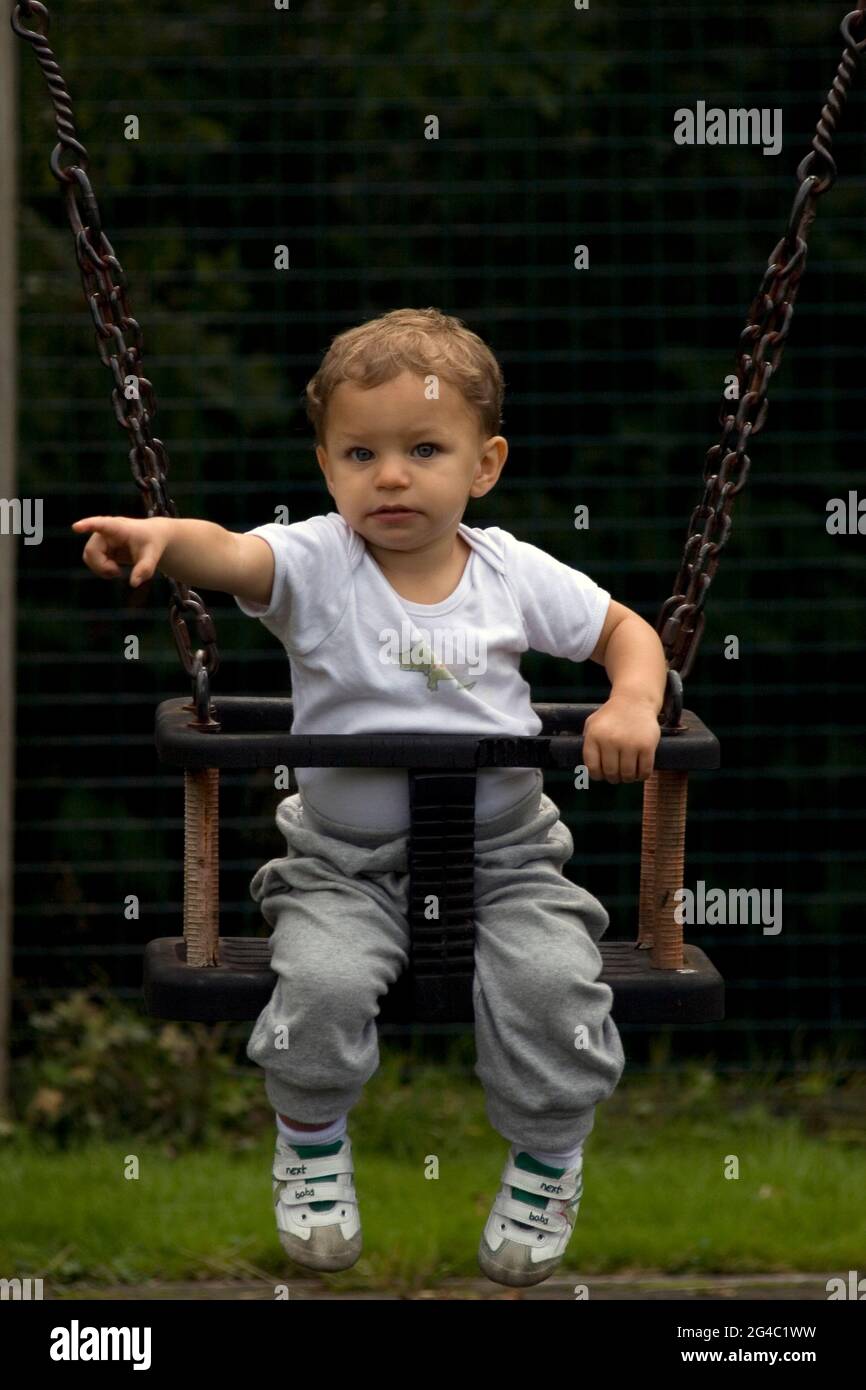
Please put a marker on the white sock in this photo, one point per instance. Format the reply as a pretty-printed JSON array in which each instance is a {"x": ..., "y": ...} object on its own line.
[
  {"x": 563, "y": 1160},
  {"x": 313, "y": 1136}
]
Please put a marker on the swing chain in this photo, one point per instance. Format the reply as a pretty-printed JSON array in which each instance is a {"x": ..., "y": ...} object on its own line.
[
  {"x": 681, "y": 619},
  {"x": 119, "y": 344}
]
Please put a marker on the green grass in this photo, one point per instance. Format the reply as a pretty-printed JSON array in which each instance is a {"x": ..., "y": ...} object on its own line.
[{"x": 655, "y": 1199}]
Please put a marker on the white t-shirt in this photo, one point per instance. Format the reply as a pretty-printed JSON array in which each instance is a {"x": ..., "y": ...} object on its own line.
[{"x": 365, "y": 660}]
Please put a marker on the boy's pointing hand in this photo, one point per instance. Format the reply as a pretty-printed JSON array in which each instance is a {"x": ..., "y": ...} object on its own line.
[
  {"x": 123, "y": 540},
  {"x": 620, "y": 740}
]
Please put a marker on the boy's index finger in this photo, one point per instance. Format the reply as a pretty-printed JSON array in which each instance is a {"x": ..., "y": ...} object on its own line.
[{"x": 94, "y": 523}]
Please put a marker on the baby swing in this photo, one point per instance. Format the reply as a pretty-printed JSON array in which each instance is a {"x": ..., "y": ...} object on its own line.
[{"x": 655, "y": 979}]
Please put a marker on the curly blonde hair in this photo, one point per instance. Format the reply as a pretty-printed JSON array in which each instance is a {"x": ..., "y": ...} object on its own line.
[{"x": 416, "y": 340}]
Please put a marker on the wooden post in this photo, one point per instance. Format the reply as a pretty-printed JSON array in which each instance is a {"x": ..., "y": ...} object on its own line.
[
  {"x": 8, "y": 543},
  {"x": 667, "y": 945},
  {"x": 649, "y": 836},
  {"x": 201, "y": 865}
]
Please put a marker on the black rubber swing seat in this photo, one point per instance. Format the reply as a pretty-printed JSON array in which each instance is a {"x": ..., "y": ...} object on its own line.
[{"x": 437, "y": 985}]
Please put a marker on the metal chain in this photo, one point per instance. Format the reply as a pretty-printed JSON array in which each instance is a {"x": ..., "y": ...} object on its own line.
[
  {"x": 119, "y": 343},
  {"x": 680, "y": 622}
]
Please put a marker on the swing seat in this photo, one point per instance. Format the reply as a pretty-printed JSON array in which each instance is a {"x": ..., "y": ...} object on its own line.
[
  {"x": 652, "y": 981},
  {"x": 241, "y": 985}
]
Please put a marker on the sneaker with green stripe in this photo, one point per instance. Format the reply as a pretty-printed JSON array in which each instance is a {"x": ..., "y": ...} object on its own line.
[
  {"x": 315, "y": 1203},
  {"x": 531, "y": 1221}
]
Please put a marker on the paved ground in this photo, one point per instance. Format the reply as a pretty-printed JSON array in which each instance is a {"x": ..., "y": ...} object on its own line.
[{"x": 694, "y": 1288}]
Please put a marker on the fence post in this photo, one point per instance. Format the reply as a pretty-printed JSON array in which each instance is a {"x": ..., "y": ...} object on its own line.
[{"x": 8, "y": 543}]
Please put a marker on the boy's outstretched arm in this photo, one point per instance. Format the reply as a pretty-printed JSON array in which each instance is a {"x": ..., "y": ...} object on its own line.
[
  {"x": 187, "y": 549},
  {"x": 621, "y": 736}
]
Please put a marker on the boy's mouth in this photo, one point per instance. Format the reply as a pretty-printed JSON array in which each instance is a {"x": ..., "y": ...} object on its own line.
[{"x": 393, "y": 511}]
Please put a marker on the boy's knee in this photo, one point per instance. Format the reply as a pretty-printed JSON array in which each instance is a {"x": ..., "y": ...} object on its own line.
[{"x": 308, "y": 993}]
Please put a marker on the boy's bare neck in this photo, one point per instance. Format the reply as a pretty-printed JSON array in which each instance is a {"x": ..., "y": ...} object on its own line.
[{"x": 425, "y": 581}]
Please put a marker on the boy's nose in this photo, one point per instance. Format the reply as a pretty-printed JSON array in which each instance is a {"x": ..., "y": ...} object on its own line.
[{"x": 393, "y": 468}]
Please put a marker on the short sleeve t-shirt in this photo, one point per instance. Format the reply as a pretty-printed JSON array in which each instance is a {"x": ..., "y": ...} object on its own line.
[{"x": 365, "y": 660}]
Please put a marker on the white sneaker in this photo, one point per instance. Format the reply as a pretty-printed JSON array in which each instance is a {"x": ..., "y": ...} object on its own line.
[
  {"x": 317, "y": 1239},
  {"x": 523, "y": 1243}
]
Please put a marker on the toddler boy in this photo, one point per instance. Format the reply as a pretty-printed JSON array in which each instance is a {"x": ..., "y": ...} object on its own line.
[{"x": 398, "y": 617}]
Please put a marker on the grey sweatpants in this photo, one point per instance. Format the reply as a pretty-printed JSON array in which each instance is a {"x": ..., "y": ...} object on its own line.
[{"x": 547, "y": 1048}]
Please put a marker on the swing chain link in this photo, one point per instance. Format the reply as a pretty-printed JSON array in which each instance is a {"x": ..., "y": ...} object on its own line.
[
  {"x": 681, "y": 619},
  {"x": 119, "y": 343}
]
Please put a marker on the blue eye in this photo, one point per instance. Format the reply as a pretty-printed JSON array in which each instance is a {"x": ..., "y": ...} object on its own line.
[{"x": 361, "y": 448}]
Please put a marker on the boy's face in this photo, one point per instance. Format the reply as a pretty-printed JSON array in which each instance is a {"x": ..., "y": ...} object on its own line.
[{"x": 389, "y": 446}]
